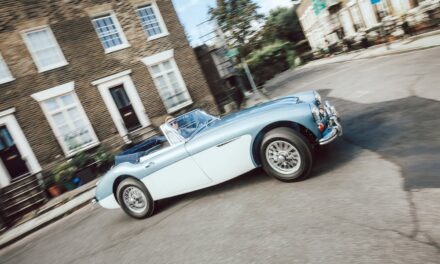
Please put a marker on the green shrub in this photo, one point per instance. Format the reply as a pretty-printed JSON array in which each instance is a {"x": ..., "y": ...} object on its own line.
[
  {"x": 103, "y": 158},
  {"x": 270, "y": 60},
  {"x": 64, "y": 172},
  {"x": 81, "y": 159}
]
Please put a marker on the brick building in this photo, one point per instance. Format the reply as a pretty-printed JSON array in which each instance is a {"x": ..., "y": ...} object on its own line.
[
  {"x": 75, "y": 75},
  {"x": 223, "y": 79}
]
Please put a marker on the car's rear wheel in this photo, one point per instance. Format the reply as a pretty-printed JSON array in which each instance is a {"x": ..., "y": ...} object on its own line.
[
  {"x": 286, "y": 155},
  {"x": 135, "y": 199}
]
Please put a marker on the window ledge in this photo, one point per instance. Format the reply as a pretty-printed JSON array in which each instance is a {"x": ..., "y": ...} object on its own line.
[
  {"x": 86, "y": 147},
  {"x": 6, "y": 80},
  {"x": 178, "y": 107},
  {"x": 158, "y": 36},
  {"x": 59, "y": 65},
  {"x": 117, "y": 48}
]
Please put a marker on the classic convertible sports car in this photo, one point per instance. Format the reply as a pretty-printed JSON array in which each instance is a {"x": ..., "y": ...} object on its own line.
[{"x": 199, "y": 150}]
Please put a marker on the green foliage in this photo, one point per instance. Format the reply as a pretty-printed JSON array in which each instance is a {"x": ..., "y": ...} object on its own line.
[
  {"x": 282, "y": 24},
  {"x": 267, "y": 53},
  {"x": 235, "y": 18},
  {"x": 64, "y": 172},
  {"x": 270, "y": 60},
  {"x": 81, "y": 159},
  {"x": 103, "y": 157}
]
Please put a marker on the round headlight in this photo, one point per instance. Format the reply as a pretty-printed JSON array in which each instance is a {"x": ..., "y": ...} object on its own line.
[{"x": 317, "y": 98}]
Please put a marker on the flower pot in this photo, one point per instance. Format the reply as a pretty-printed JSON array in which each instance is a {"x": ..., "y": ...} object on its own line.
[
  {"x": 54, "y": 190},
  {"x": 69, "y": 186}
]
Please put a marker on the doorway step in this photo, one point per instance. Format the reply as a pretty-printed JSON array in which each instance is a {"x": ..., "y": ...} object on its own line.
[{"x": 24, "y": 194}]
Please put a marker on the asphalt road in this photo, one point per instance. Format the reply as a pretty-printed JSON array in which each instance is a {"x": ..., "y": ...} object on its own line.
[
  {"x": 372, "y": 198},
  {"x": 389, "y": 105}
]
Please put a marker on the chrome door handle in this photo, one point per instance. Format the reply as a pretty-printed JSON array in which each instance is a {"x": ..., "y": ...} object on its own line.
[
  {"x": 227, "y": 142},
  {"x": 150, "y": 164}
]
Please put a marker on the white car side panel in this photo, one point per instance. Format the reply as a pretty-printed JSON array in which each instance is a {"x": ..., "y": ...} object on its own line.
[
  {"x": 227, "y": 160},
  {"x": 109, "y": 202},
  {"x": 181, "y": 177}
]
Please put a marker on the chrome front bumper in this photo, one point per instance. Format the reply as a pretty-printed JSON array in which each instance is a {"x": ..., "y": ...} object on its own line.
[{"x": 333, "y": 124}]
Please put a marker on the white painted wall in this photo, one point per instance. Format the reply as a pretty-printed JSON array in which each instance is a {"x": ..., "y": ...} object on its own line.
[
  {"x": 367, "y": 12},
  {"x": 347, "y": 23},
  {"x": 400, "y": 7}
]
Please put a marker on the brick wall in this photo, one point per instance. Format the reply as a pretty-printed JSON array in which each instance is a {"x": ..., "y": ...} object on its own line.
[{"x": 71, "y": 24}]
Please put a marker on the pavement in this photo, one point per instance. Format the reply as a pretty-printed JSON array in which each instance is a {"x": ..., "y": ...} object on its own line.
[
  {"x": 372, "y": 198},
  {"x": 50, "y": 212}
]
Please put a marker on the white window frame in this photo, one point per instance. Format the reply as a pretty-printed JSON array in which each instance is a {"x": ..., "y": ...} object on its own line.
[
  {"x": 8, "y": 78},
  {"x": 121, "y": 33},
  {"x": 7, "y": 118},
  {"x": 159, "y": 58},
  {"x": 57, "y": 47},
  {"x": 105, "y": 84},
  {"x": 58, "y": 91},
  {"x": 159, "y": 18}
]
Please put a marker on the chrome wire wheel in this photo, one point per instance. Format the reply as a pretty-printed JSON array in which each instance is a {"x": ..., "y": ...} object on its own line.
[
  {"x": 283, "y": 157},
  {"x": 135, "y": 199}
]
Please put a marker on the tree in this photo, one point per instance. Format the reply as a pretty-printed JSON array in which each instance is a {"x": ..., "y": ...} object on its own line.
[
  {"x": 282, "y": 24},
  {"x": 237, "y": 19}
]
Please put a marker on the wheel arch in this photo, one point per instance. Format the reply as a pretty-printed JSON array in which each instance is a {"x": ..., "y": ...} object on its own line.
[
  {"x": 118, "y": 181},
  {"x": 288, "y": 124}
]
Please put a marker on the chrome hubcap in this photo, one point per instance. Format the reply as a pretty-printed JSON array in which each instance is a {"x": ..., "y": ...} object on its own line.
[
  {"x": 283, "y": 157},
  {"x": 134, "y": 199}
]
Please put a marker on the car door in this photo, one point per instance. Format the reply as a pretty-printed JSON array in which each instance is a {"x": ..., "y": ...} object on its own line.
[
  {"x": 173, "y": 172},
  {"x": 222, "y": 156}
]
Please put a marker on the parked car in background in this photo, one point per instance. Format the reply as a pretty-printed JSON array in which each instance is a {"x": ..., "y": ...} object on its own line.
[{"x": 199, "y": 150}]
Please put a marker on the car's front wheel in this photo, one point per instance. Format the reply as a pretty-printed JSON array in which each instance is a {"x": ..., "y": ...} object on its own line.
[
  {"x": 286, "y": 155},
  {"x": 135, "y": 199}
]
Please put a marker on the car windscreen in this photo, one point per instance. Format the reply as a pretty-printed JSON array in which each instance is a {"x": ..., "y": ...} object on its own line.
[{"x": 191, "y": 123}]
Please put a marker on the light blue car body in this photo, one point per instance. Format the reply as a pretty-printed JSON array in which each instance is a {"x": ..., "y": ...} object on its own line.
[{"x": 293, "y": 110}]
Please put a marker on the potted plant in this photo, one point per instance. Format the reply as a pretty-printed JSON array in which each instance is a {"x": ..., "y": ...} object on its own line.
[
  {"x": 54, "y": 190},
  {"x": 80, "y": 170},
  {"x": 62, "y": 174},
  {"x": 84, "y": 165},
  {"x": 103, "y": 160}
]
